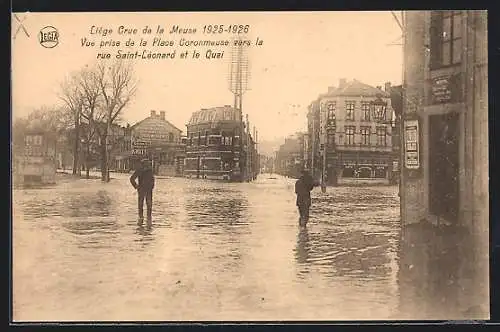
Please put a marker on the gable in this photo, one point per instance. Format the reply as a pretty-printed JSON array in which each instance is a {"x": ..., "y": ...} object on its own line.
[{"x": 155, "y": 130}]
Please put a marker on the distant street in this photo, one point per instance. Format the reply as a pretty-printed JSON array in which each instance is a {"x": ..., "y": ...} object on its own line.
[{"x": 216, "y": 251}]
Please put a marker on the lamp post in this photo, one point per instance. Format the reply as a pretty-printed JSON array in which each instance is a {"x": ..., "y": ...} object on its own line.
[
  {"x": 379, "y": 110},
  {"x": 325, "y": 137}
]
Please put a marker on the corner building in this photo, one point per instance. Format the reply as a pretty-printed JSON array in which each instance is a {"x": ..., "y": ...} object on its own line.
[
  {"x": 444, "y": 178},
  {"x": 213, "y": 142},
  {"x": 350, "y": 136}
]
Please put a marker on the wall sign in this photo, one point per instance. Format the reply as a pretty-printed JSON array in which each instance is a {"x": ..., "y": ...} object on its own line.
[
  {"x": 411, "y": 132},
  {"x": 446, "y": 89}
]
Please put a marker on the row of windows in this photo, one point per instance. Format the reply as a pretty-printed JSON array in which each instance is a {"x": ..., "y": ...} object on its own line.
[
  {"x": 365, "y": 132},
  {"x": 33, "y": 140},
  {"x": 211, "y": 140},
  {"x": 350, "y": 107}
]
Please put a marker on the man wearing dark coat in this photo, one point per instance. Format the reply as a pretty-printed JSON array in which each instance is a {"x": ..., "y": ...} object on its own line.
[
  {"x": 144, "y": 189},
  {"x": 303, "y": 187}
]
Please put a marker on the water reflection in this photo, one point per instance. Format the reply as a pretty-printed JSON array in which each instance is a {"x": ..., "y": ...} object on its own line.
[
  {"x": 302, "y": 251},
  {"x": 339, "y": 253},
  {"x": 219, "y": 208},
  {"x": 86, "y": 205},
  {"x": 352, "y": 234},
  {"x": 42, "y": 204},
  {"x": 145, "y": 235},
  {"x": 87, "y": 227},
  {"x": 437, "y": 274},
  {"x": 217, "y": 218}
]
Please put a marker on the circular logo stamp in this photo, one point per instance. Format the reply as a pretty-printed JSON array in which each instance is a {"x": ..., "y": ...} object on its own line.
[{"x": 49, "y": 37}]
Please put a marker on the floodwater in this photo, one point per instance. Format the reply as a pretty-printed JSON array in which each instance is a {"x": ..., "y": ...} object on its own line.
[{"x": 215, "y": 251}]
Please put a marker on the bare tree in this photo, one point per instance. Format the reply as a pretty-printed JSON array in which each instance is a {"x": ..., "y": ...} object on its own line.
[
  {"x": 93, "y": 112},
  {"x": 71, "y": 95},
  {"x": 117, "y": 87}
]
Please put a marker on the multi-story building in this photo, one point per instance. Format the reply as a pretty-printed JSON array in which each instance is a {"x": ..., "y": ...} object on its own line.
[
  {"x": 351, "y": 134},
  {"x": 290, "y": 156},
  {"x": 160, "y": 141},
  {"x": 219, "y": 146},
  {"x": 445, "y": 152},
  {"x": 37, "y": 164}
]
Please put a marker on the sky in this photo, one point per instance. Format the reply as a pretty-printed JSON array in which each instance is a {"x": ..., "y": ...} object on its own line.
[{"x": 302, "y": 54}]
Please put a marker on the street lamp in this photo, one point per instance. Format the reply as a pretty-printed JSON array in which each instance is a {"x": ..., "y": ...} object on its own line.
[{"x": 378, "y": 109}]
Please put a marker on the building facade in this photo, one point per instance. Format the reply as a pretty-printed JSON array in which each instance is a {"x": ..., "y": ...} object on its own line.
[
  {"x": 219, "y": 146},
  {"x": 160, "y": 141},
  {"x": 37, "y": 164},
  {"x": 290, "y": 156},
  {"x": 350, "y": 130},
  {"x": 444, "y": 179}
]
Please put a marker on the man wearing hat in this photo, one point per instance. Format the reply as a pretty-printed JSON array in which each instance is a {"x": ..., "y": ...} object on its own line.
[
  {"x": 303, "y": 188},
  {"x": 144, "y": 189}
]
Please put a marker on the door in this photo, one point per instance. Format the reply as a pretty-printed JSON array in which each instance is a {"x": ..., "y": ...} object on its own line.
[{"x": 444, "y": 166}]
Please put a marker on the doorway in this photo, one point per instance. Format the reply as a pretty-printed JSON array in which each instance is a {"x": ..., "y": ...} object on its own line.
[{"x": 444, "y": 166}]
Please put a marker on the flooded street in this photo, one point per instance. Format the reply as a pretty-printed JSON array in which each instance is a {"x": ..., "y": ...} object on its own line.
[{"x": 216, "y": 251}]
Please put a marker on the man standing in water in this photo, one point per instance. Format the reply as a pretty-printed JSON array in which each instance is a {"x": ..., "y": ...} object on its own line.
[
  {"x": 144, "y": 189},
  {"x": 303, "y": 188}
]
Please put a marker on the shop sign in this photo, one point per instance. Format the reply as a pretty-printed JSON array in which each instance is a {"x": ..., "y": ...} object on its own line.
[{"x": 445, "y": 89}]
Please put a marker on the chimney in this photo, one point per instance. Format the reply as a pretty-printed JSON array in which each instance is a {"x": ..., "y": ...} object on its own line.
[
  {"x": 162, "y": 115},
  {"x": 342, "y": 83},
  {"x": 387, "y": 86},
  {"x": 153, "y": 114}
]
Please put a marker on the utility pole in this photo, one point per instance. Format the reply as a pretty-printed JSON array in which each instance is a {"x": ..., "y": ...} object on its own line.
[
  {"x": 248, "y": 158},
  {"x": 312, "y": 139},
  {"x": 325, "y": 146},
  {"x": 402, "y": 25},
  {"x": 238, "y": 85}
]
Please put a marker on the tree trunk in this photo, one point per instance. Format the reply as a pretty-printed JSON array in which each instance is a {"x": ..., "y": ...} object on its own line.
[
  {"x": 108, "y": 129},
  {"x": 87, "y": 168},
  {"x": 76, "y": 148},
  {"x": 104, "y": 162}
]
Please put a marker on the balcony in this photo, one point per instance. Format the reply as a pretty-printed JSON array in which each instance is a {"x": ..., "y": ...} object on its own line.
[{"x": 363, "y": 147}]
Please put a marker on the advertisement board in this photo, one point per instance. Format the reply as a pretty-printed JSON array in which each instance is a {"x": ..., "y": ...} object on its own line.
[{"x": 411, "y": 134}]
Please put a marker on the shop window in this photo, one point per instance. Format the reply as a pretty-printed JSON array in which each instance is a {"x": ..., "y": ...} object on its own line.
[
  {"x": 365, "y": 172},
  {"x": 380, "y": 172},
  {"x": 348, "y": 172}
]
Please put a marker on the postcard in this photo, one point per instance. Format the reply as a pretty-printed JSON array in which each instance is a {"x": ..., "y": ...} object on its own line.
[{"x": 249, "y": 166}]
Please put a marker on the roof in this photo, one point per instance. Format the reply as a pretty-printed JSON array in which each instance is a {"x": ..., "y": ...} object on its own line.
[
  {"x": 155, "y": 118},
  {"x": 357, "y": 88},
  {"x": 291, "y": 145},
  {"x": 214, "y": 115}
]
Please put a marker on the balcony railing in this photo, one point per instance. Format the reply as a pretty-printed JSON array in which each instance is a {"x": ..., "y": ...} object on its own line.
[{"x": 360, "y": 147}]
